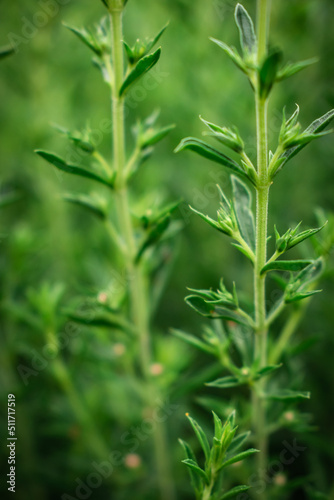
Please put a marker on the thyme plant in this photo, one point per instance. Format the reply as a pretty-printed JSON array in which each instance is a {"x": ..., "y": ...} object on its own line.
[
  {"x": 248, "y": 227},
  {"x": 126, "y": 305}
]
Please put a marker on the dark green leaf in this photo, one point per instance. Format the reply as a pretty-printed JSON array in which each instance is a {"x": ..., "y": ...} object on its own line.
[
  {"x": 197, "y": 470},
  {"x": 286, "y": 265},
  {"x": 88, "y": 203},
  {"x": 268, "y": 72},
  {"x": 239, "y": 457},
  {"x": 6, "y": 51},
  {"x": 214, "y": 312},
  {"x": 61, "y": 164},
  {"x": 191, "y": 456},
  {"x": 238, "y": 441},
  {"x": 242, "y": 201},
  {"x": 225, "y": 382},
  {"x": 246, "y": 29},
  {"x": 143, "y": 66},
  {"x": 154, "y": 235},
  {"x": 200, "y": 436},
  {"x": 267, "y": 370},
  {"x": 288, "y": 395},
  {"x": 207, "y": 151},
  {"x": 234, "y": 491}
]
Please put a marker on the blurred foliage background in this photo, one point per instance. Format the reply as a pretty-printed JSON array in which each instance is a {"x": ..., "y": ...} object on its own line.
[{"x": 43, "y": 240}]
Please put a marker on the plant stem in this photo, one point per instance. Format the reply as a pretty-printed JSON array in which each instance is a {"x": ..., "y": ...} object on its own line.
[
  {"x": 262, "y": 199},
  {"x": 136, "y": 277}
]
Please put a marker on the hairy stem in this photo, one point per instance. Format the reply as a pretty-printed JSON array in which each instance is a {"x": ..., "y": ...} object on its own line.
[
  {"x": 262, "y": 199},
  {"x": 135, "y": 275}
]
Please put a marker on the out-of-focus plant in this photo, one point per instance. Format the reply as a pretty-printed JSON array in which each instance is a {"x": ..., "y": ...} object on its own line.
[
  {"x": 247, "y": 322},
  {"x": 138, "y": 235}
]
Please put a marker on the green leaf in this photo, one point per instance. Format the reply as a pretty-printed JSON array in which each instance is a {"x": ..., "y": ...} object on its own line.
[
  {"x": 97, "y": 319},
  {"x": 154, "y": 235},
  {"x": 246, "y": 29},
  {"x": 225, "y": 382},
  {"x": 6, "y": 51},
  {"x": 293, "y": 68},
  {"x": 155, "y": 40},
  {"x": 191, "y": 456},
  {"x": 88, "y": 203},
  {"x": 200, "y": 436},
  {"x": 143, "y": 66},
  {"x": 242, "y": 200},
  {"x": 234, "y": 491},
  {"x": 286, "y": 265},
  {"x": 315, "y": 127},
  {"x": 215, "y": 312},
  {"x": 238, "y": 441},
  {"x": 194, "y": 466},
  {"x": 300, "y": 296},
  {"x": 288, "y": 395},
  {"x": 232, "y": 54},
  {"x": 87, "y": 38},
  {"x": 218, "y": 426},
  {"x": 194, "y": 341},
  {"x": 211, "y": 222},
  {"x": 228, "y": 137},
  {"x": 207, "y": 151},
  {"x": 153, "y": 136},
  {"x": 61, "y": 164},
  {"x": 295, "y": 240},
  {"x": 268, "y": 72},
  {"x": 241, "y": 456},
  {"x": 267, "y": 370}
]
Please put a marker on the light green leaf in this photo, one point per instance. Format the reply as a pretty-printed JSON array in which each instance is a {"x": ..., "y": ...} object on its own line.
[
  {"x": 215, "y": 312},
  {"x": 211, "y": 222},
  {"x": 194, "y": 341},
  {"x": 293, "y": 68},
  {"x": 225, "y": 382},
  {"x": 267, "y": 370},
  {"x": 286, "y": 265},
  {"x": 87, "y": 38},
  {"x": 232, "y": 54},
  {"x": 61, "y": 164},
  {"x": 246, "y": 29},
  {"x": 242, "y": 200},
  {"x": 153, "y": 136},
  {"x": 234, "y": 491},
  {"x": 191, "y": 456},
  {"x": 295, "y": 240},
  {"x": 143, "y": 66}
]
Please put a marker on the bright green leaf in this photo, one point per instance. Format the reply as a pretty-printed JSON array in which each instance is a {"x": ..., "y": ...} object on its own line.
[
  {"x": 286, "y": 265},
  {"x": 143, "y": 66},
  {"x": 242, "y": 201}
]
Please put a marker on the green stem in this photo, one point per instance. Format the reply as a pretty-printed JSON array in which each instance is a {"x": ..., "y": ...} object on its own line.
[
  {"x": 262, "y": 199},
  {"x": 136, "y": 276}
]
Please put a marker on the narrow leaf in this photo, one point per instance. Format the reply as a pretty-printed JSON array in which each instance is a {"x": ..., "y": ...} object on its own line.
[
  {"x": 239, "y": 457},
  {"x": 191, "y": 456},
  {"x": 238, "y": 441},
  {"x": 268, "y": 72},
  {"x": 288, "y": 395},
  {"x": 200, "y": 436},
  {"x": 234, "y": 491},
  {"x": 215, "y": 312},
  {"x": 61, "y": 164},
  {"x": 86, "y": 202},
  {"x": 194, "y": 341},
  {"x": 210, "y": 221},
  {"x": 225, "y": 382},
  {"x": 293, "y": 68},
  {"x": 86, "y": 38},
  {"x": 286, "y": 265},
  {"x": 200, "y": 472},
  {"x": 6, "y": 51},
  {"x": 246, "y": 29},
  {"x": 267, "y": 370},
  {"x": 207, "y": 151},
  {"x": 143, "y": 66},
  {"x": 232, "y": 54},
  {"x": 242, "y": 200}
]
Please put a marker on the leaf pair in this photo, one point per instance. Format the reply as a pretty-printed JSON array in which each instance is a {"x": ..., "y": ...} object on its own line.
[{"x": 246, "y": 376}]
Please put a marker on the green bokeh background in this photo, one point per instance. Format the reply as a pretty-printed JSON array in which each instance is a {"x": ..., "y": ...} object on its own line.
[{"x": 51, "y": 80}]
